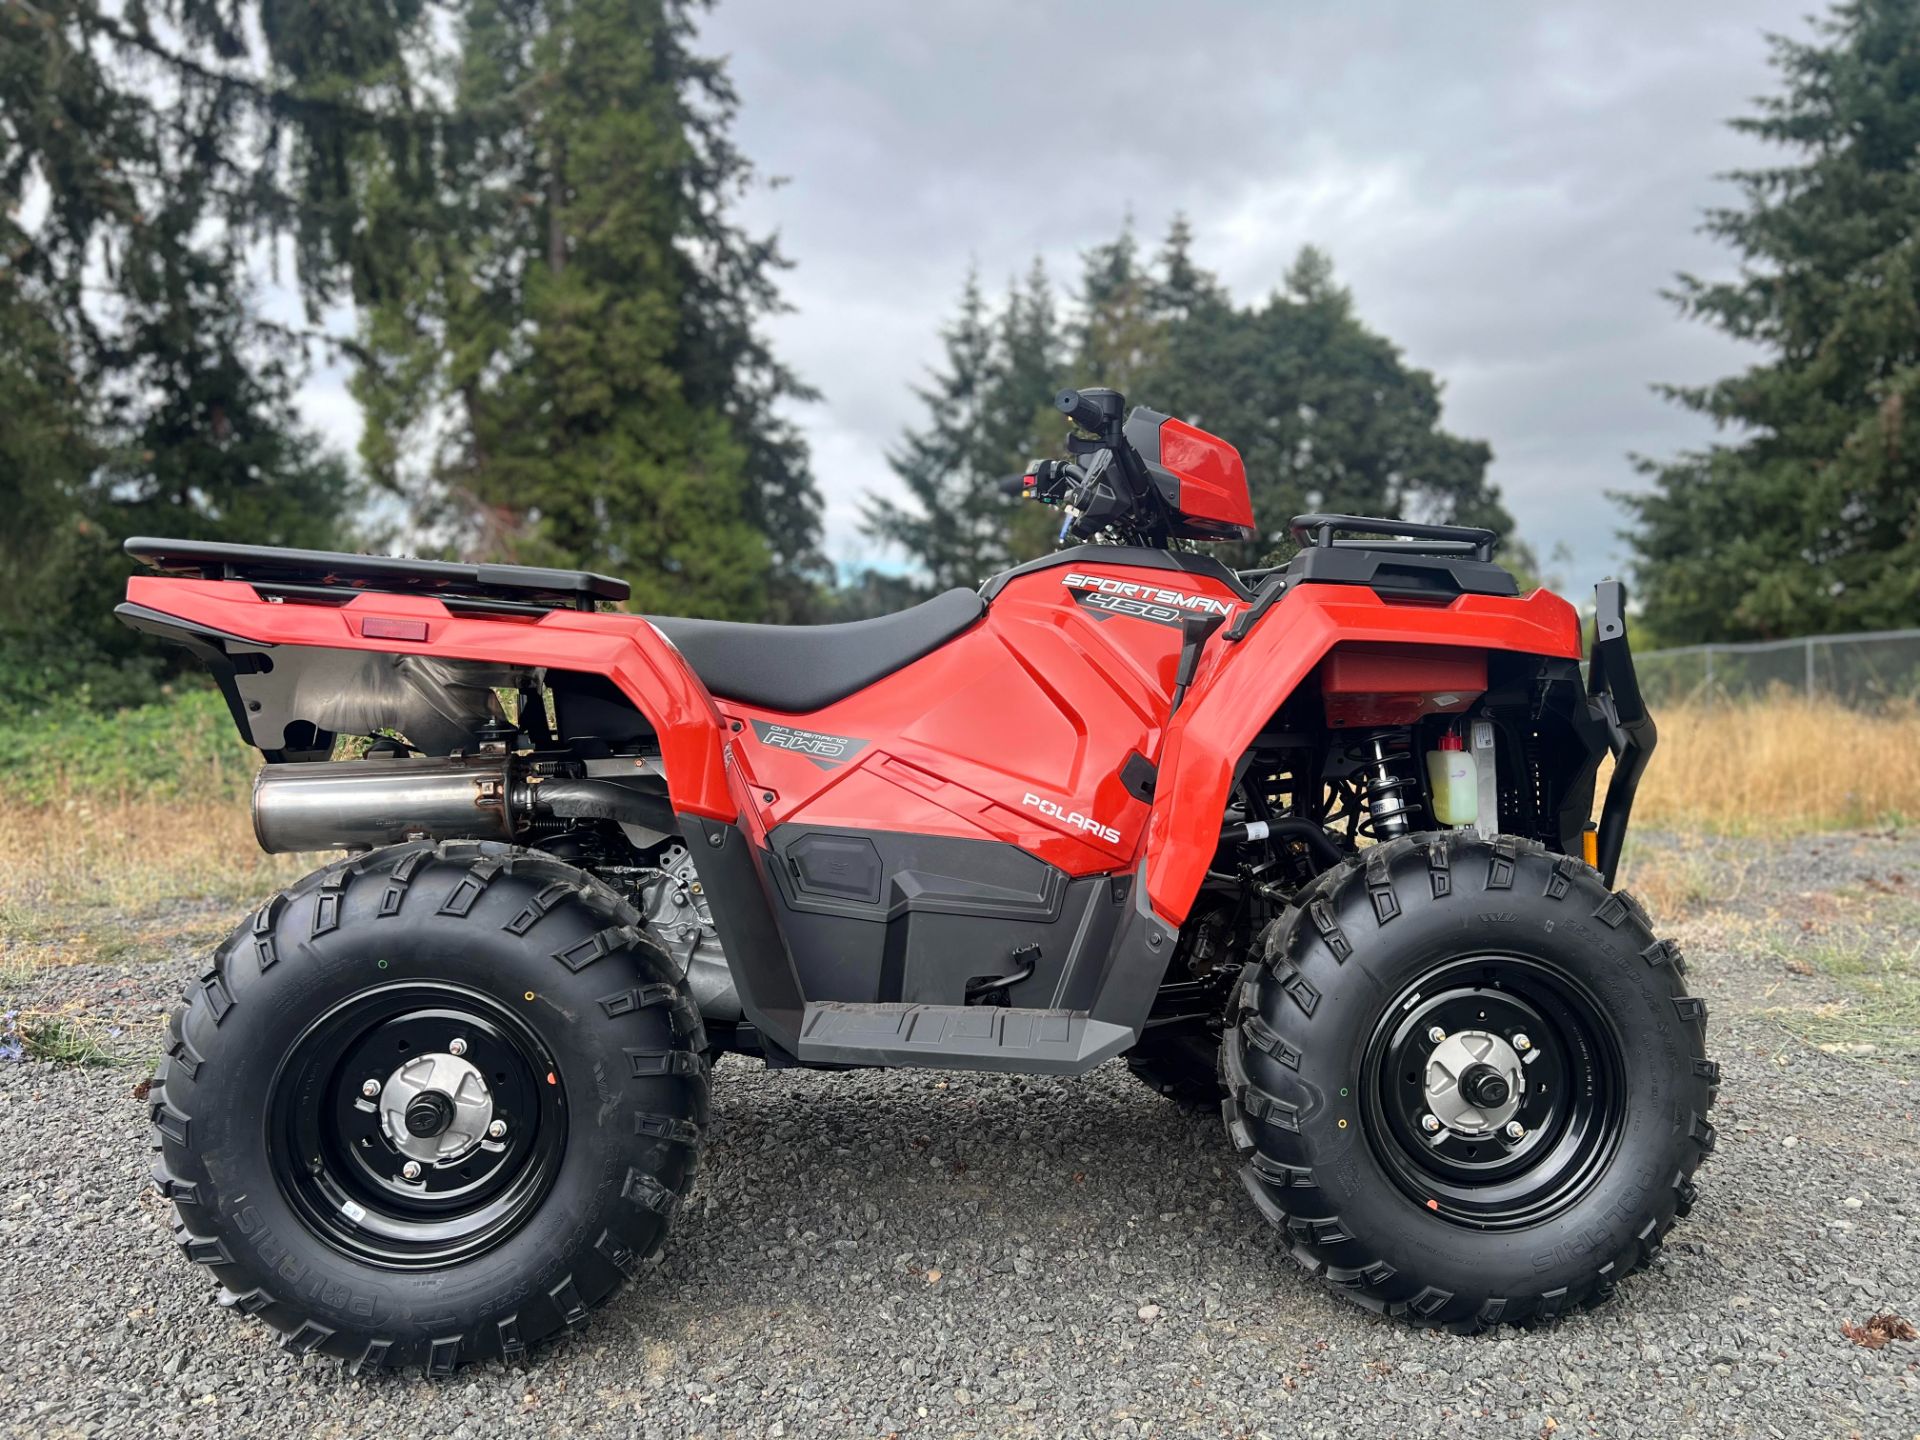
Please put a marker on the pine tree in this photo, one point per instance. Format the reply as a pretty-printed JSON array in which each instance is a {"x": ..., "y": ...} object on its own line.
[
  {"x": 47, "y": 454},
  {"x": 951, "y": 524},
  {"x": 1325, "y": 412},
  {"x": 1118, "y": 336},
  {"x": 1809, "y": 521},
  {"x": 580, "y": 320},
  {"x": 1179, "y": 288},
  {"x": 1029, "y": 370},
  {"x": 128, "y": 307}
]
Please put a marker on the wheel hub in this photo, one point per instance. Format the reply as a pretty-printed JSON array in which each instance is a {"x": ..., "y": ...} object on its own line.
[
  {"x": 436, "y": 1108},
  {"x": 1493, "y": 1089},
  {"x": 1474, "y": 1082}
]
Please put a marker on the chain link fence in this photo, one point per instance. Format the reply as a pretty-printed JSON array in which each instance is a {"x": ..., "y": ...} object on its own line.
[{"x": 1865, "y": 671}]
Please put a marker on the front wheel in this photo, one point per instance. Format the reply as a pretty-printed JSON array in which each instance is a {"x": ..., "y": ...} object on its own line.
[
  {"x": 430, "y": 1105},
  {"x": 1468, "y": 1082}
]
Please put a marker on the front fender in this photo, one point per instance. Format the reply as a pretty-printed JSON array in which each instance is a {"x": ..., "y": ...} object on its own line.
[{"x": 1242, "y": 683}]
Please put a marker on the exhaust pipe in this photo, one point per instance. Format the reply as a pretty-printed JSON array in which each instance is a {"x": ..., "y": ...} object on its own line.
[{"x": 359, "y": 804}]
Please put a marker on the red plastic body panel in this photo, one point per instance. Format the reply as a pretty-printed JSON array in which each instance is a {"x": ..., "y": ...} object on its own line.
[
  {"x": 625, "y": 648},
  {"x": 1015, "y": 731},
  {"x": 1213, "y": 478},
  {"x": 1240, "y": 686},
  {"x": 1397, "y": 684}
]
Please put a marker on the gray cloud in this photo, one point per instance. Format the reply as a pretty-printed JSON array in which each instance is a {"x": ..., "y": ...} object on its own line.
[{"x": 1506, "y": 188}]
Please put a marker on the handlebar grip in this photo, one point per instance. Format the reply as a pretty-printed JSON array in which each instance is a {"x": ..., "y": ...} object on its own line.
[
  {"x": 1014, "y": 485},
  {"x": 1085, "y": 412}
]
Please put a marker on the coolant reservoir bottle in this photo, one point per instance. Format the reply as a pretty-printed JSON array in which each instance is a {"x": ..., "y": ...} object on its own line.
[{"x": 1454, "y": 780}]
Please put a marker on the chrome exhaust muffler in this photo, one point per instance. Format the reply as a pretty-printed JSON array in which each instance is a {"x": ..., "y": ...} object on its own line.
[{"x": 358, "y": 804}]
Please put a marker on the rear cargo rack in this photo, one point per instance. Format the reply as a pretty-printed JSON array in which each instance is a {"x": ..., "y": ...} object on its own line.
[
  {"x": 1409, "y": 559},
  {"x": 335, "y": 577}
]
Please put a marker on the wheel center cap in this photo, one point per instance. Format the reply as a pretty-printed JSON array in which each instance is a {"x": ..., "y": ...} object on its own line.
[
  {"x": 1474, "y": 1082},
  {"x": 435, "y": 1108},
  {"x": 1485, "y": 1086},
  {"x": 428, "y": 1114}
]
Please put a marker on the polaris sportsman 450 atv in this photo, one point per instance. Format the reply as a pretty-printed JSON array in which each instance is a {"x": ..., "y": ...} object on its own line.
[{"x": 1309, "y": 844}]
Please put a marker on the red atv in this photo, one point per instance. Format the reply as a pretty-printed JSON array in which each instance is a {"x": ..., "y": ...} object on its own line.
[{"x": 1309, "y": 843}]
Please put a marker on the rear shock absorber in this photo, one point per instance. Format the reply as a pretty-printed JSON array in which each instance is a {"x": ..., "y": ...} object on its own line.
[{"x": 1392, "y": 781}]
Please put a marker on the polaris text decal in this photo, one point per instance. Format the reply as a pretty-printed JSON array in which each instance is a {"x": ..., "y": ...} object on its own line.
[
  {"x": 1054, "y": 810},
  {"x": 824, "y": 750},
  {"x": 1107, "y": 596}
]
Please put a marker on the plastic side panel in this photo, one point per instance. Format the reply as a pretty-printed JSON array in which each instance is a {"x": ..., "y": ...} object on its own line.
[
  {"x": 1017, "y": 731},
  {"x": 625, "y": 648},
  {"x": 1240, "y": 686}
]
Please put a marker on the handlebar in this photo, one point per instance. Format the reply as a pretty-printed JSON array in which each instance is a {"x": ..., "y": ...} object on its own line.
[
  {"x": 1097, "y": 411},
  {"x": 1105, "y": 486}
]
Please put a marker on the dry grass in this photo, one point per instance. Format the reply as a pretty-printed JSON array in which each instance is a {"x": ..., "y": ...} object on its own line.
[
  {"x": 94, "y": 880},
  {"x": 129, "y": 855},
  {"x": 1780, "y": 765},
  {"x": 1684, "y": 873}
]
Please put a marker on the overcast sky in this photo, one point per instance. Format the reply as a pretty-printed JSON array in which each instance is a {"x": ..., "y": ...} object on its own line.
[{"x": 1504, "y": 187}]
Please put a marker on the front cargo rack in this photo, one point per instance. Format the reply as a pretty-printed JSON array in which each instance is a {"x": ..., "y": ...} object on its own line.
[
  {"x": 334, "y": 576},
  {"x": 1413, "y": 559}
]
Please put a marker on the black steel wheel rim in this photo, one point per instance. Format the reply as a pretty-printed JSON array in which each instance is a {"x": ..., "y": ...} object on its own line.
[
  {"x": 1569, "y": 1106},
  {"x": 342, "y": 1170}
]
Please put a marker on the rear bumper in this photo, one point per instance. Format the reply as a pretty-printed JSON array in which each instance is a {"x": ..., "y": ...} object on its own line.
[{"x": 1613, "y": 696}]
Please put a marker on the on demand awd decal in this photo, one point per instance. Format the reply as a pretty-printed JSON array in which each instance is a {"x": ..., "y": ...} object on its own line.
[
  {"x": 1106, "y": 596},
  {"x": 826, "y": 751}
]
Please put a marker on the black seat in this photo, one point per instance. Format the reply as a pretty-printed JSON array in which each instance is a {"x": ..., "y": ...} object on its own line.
[{"x": 800, "y": 668}]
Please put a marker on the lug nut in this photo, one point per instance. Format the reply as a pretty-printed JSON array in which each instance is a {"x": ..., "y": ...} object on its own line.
[
  {"x": 496, "y": 1130},
  {"x": 456, "y": 1046},
  {"x": 370, "y": 1088},
  {"x": 411, "y": 1170},
  {"x": 1436, "y": 1035},
  {"x": 1515, "y": 1130},
  {"x": 1521, "y": 1042},
  {"x": 1430, "y": 1123}
]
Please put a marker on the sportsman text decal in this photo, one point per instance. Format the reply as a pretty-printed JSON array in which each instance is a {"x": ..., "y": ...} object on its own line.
[{"x": 1107, "y": 596}]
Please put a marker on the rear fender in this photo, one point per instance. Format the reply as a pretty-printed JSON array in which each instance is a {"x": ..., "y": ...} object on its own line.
[
  {"x": 234, "y": 630},
  {"x": 1240, "y": 684}
]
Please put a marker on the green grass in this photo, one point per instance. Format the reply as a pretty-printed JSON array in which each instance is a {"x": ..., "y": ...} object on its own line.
[
  {"x": 181, "y": 746},
  {"x": 1879, "y": 1012},
  {"x": 64, "y": 1041}
]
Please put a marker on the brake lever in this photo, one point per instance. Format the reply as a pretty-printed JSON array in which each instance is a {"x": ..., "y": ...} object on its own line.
[{"x": 1086, "y": 482}]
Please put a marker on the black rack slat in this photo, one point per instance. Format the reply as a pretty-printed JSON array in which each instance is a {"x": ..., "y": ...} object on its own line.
[
  {"x": 521, "y": 587},
  {"x": 1418, "y": 561},
  {"x": 1407, "y": 535}
]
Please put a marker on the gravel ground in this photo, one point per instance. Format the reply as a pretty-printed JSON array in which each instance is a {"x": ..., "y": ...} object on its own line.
[{"x": 953, "y": 1255}]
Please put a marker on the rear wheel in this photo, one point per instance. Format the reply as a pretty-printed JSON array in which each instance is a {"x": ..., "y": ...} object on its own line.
[
  {"x": 430, "y": 1105},
  {"x": 1467, "y": 1081}
]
